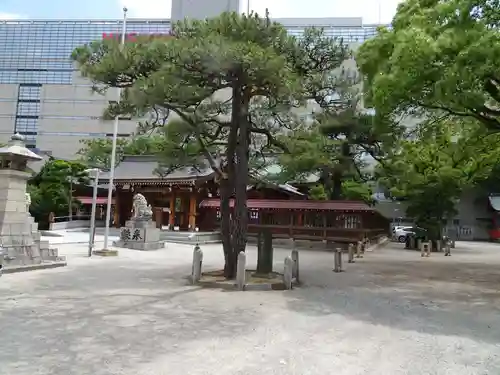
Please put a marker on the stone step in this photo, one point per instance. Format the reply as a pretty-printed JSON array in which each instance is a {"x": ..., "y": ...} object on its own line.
[
  {"x": 188, "y": 242},
  {"x": 191, "y": 238}
]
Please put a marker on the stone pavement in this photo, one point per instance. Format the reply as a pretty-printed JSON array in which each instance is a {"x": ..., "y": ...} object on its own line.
[
  {"x": 77, "y": 236},
  {"x": 390, "y": 313}
]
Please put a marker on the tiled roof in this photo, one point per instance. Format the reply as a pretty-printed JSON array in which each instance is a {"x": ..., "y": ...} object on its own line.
[
  {"x": 143, "y": 168},
  {"x": 303, "y": 205}
]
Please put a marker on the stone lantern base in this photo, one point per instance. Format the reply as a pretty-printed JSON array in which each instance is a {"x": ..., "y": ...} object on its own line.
[{"x": 23, "y": 247}]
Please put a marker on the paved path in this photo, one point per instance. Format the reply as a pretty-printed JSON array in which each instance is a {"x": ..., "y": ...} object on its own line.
[
  {"x": 77, "y": 236},
  {"x": 390, "y": 313}
]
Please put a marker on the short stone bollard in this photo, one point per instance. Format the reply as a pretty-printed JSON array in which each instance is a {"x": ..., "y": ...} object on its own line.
[
  {"x": 413, "y": 242},
  {"x": 295, "y": 270},
  {"x": 425, "y": 249},
  {"x": 359, "y": 248},
  {"x": 439, "y": 246},
  {"x": 447, "y": 249},
  {"x": 197, "y": 264},
  {"x": 350, "y": 253},
  {"x": 287, "y": 273},
  {"x": 337, "y": 265},
  {"x": 241, "y": 272}
]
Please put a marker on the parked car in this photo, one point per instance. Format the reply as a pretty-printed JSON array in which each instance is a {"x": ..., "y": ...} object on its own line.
[{"x": 402, "y": 233}]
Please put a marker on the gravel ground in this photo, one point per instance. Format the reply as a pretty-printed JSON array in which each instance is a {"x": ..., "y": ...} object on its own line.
[{"x": 389, "y": 313}]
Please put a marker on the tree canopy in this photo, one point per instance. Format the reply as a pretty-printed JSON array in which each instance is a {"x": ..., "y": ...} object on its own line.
[
  {"x": 97, "y": 151},
  {"x": 438, "y": 55},
  {"x": 431, "y": 171},
  {"x": 336, "y": 147},
  {"x": 50, "y": 189},
  {"x": 228, "y": 79}
]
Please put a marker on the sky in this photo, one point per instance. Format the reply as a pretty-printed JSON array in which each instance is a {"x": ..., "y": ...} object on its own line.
[{"x": 372, "y": 11}]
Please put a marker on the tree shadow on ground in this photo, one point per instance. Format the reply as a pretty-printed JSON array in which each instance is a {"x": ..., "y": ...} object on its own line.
[{"x": 438, "y": 297}]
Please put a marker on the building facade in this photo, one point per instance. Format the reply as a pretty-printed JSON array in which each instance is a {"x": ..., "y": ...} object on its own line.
[
  {"x": 43, "y": 96},
  {"x": 200, "y": 9}
]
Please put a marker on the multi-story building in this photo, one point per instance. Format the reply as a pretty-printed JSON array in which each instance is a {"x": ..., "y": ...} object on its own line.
[{"x": 43, "y": 96}]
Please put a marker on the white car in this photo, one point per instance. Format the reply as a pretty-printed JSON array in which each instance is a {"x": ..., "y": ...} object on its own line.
[{"x": 400, "y": 233}]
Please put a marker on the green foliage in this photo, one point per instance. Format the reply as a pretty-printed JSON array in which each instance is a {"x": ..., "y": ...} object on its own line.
[
  {"x": 355, "y": 190},
  {"x": 318, "y": 193},
  {"x": 432, "y": 171},
  {"x": 334, "y": 146},
  {"x": 438, "y": 55},
  {"x": 50, "y": 189},
  {"x": 97, "y": 152}
]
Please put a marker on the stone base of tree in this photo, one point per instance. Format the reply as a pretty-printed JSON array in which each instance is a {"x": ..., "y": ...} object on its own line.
[
  {"x": 254, "y": 281},
  {"x": 105, "y": 253}
]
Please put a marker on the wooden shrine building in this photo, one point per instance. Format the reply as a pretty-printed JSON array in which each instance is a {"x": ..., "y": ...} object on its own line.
[
  {"x": 187, "y": 200},
  {"x": 176, "y": 197}
]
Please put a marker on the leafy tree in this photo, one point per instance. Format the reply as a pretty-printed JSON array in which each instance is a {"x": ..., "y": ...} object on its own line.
[
  {"x": 335, "y": 146},
  {"x": 51, "y": 189},
  {"x": 438, "y": 55},
  {"x": 97, "y": 151},
  {"x": 215, "y": 75},
  {"x": 431, "y": 171}
]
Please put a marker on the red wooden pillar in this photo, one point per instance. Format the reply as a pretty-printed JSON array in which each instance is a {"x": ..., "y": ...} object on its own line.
[
  {"x": 171, "y": 216},
  {"x": 192, "y": 211}
]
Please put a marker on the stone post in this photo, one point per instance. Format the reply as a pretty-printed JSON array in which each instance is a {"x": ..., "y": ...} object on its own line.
[
  {"x": 287, "y": 273},
  {"x": 197, "y": 264},
  {"x": 447, "y": 249},
  {"x": 2, "y": 254},
  {"x": 359, "y": 247},
  {"x": 337, "y": 265},
  {"x": 425, "y": 249},
  {"x": 413, "y": 242},
  {"x": 295, "y": 271},
  {"x": 350, "y": 252},
  {"x": 241, "y": 271}
]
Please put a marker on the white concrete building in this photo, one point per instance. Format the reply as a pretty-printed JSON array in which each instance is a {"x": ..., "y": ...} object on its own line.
[{"x": 45, "y": 99}]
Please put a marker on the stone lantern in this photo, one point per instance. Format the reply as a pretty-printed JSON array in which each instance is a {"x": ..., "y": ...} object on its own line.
[
  {"x": 13, "y": 177},
  {"x": 19, "y": 236}
]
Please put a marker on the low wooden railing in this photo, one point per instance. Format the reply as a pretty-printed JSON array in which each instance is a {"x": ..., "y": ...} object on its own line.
[{"x": 317, "y": 233}]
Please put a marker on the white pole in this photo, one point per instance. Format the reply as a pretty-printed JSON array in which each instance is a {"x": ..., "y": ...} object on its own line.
[
  {"x": 248, "y": 7},
  {"x": 379, "y": 12},
  {"x": 92, "y": 217},
  {"x": 113, "y": 148}
]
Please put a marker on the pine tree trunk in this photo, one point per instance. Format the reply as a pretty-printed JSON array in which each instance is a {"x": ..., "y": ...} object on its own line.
[
  {"x": 240, "y": 222},
  {"x": 226, "y": 192},
  {"x": 225, "y": 213},
  {"x": 336, "y": 186}
]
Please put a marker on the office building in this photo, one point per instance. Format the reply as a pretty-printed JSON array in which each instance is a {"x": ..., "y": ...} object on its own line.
[
  {"x": 201, "y": 9},
  {"x": 43, "y": 96}
]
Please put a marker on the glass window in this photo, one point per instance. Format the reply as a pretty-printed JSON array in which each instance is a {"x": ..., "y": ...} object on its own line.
[
  {"x": 29, "y": 92},
  {"x": 26, "y": 125},
  {"x": 28, "y": 108},
  {"x": 47, "y": 45}
]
